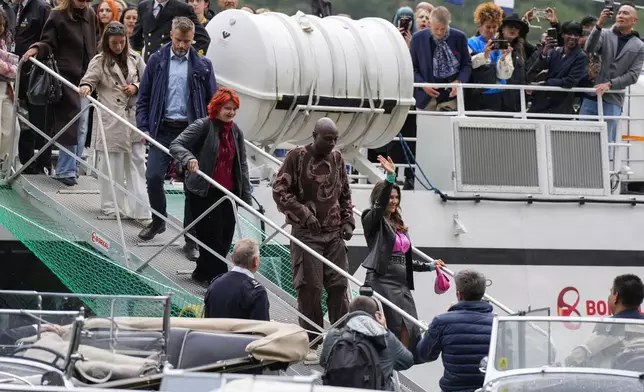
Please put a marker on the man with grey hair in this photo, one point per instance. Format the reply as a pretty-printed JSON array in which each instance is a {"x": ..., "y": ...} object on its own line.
[
  {"x": 439, "y": 55},
  {"x": 236, "y": 294},
  {"x": 175, "y": 90},
  {"x": 462, "y": 335}
]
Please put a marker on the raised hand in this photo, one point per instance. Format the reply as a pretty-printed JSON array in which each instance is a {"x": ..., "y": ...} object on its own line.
[{"x": 387, "y": 164}]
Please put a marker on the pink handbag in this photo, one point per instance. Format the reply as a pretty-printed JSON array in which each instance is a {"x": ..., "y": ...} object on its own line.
[{"x": 441, "y": 284}]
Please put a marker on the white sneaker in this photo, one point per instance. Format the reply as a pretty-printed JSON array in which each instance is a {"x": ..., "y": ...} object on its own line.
[{"x": 312, "y": 357}]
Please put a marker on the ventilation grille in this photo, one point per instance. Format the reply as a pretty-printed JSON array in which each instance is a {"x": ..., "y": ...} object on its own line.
[
  {"x": 498, "y": 157},
  {"x": 576, "y": 159}
]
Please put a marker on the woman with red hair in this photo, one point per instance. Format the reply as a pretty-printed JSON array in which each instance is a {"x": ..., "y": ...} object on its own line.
[
  {"x": 215, "y": 146},
  {"x": 106, "y": 12}
]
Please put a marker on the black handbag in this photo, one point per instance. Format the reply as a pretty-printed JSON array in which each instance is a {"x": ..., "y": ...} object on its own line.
[{"x": 44, "y": 89}]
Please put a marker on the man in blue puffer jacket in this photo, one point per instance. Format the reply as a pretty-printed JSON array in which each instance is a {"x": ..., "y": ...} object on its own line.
[{"x": 462, "y": 335}]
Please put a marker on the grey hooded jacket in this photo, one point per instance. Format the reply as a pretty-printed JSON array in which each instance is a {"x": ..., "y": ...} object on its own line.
[{"x": 393, "y": 355}]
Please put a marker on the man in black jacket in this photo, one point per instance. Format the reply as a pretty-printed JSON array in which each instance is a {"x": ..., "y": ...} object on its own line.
[
  {"x": 31, "y": 16},
  {"x": 566, "y": 66},
  {"x": 152, "y": 29},
  {"x": 236, "y": 294}
]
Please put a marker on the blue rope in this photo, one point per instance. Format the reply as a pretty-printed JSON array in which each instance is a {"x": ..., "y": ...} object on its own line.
[{"x": 408, "y": 153}]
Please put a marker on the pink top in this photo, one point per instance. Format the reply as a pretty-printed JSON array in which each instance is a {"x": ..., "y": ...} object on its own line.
[{"x": 402, "y": 243}]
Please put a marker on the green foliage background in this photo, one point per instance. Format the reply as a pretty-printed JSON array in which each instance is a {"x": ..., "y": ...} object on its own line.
[{"x": 462, "y": 17}]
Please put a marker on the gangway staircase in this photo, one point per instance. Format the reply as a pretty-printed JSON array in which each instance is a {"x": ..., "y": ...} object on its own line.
[{"x": 90, "y": 253}]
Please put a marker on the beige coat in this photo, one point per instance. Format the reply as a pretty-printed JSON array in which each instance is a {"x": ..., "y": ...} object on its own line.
[{"x": 107, "y": 82}]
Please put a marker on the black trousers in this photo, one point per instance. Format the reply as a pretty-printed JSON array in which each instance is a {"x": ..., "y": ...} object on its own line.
[
  {"x": 42, "y": 118},
  {"x": 215, "y": 230}
]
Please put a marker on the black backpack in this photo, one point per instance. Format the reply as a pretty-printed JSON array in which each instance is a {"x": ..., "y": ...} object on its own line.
[{"x": 354, "y": 362}]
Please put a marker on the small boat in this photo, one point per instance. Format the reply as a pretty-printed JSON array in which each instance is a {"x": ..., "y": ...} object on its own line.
[
  {"x": 572, "y": 354},
  {"x": 66, "y": 349}
]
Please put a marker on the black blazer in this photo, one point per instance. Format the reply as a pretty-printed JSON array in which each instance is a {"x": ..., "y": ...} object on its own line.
[
  {"x": 30, "y": 26},
  {"x": 151, "y": 33},
  {"x": 381, "y": 237}
]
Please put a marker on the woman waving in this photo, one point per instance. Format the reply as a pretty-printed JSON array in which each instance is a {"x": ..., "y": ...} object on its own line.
[{"x": 389, "y": 264}]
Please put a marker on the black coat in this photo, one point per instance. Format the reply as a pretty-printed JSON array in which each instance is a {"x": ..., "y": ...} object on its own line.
[
  {"x": 237, "y": 296},
  {"x": 151, "y": 33},
  {"x": 201, "y": 141},
  {"x": 563, "y": 72},
  {"x": 30, "y": 26},
  {"x": 73, "y": 44},
  {"x": 380, "y": 236}
]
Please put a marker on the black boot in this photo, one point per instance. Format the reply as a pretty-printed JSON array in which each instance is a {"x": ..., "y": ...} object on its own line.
[{"x": 154, "y": 228}]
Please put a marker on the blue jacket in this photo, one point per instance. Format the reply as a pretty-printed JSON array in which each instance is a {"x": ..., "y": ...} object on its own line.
[
  {"x": 463, "y": 336},
  {"x": 422, "y": 53},
  {"x": 477, "y": 44},
  {"x": 150, "y": 104}
]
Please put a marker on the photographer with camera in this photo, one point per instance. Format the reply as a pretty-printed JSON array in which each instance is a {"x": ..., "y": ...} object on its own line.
[
  {"x": 491, "y": 63},
  {"x": 363, "y": 353},
  {"x": 621, "y": 54},
  {"x": 405, "y": 21},
  {"x": 565, "y": 66}
]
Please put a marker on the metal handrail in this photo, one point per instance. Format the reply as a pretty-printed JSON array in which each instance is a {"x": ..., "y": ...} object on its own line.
[
  {"x": 460, "y": 102},
  {"x": 225, "y": 191},
  {"x": 414, "y": 249}
]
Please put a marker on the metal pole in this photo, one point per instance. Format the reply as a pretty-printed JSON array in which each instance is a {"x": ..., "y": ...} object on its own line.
[
  {"x": 167, "y": 311},
  {"x": 270, "y": 237},
  {"x": 14, "y": 117},
  {"x": 187, "y": 228},
  {"x": 117, "y": 209},
  {"x": 48, "y": 144}
]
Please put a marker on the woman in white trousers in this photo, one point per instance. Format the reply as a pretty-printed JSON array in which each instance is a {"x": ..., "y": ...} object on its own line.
[
  {"x": 114, "y": 74},
  {"x": 9, "y": 130}
]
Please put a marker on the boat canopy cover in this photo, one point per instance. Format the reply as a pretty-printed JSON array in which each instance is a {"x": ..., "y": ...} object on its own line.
[
  {"x": 272, "y": 341},
  {"x": 279, "y": 342}
]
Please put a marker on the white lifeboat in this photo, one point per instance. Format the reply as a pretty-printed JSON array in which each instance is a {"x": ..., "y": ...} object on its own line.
[{"x": 291, "y": 71}]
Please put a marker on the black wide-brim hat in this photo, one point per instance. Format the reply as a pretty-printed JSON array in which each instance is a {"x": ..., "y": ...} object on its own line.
[
  {"x": 515, "y": 20},
  {"x": 572, "y": 27}
]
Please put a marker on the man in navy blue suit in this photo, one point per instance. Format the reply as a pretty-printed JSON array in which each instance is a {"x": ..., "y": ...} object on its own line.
[{"x": 236, "y": 294}]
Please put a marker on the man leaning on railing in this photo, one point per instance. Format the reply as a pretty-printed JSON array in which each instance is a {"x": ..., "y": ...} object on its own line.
[{"x": 622, "y": 56}]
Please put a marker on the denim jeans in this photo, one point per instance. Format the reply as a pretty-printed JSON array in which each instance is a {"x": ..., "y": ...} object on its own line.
[
  {"x": 158, "y": 163},
  {"x": 67, "y": 166},
  {"x": 589, "y": 108}
]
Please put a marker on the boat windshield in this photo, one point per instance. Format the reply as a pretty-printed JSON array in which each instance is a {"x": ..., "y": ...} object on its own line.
[{"x": 608, "y": 344}]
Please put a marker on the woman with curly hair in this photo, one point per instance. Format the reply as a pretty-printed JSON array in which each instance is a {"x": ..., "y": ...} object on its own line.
[
  {"x": 215, "y": 146},
  {"x": 489, "y": 65}
]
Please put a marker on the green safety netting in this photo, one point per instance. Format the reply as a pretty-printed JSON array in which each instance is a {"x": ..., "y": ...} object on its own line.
[
  {"x": 84, "y": 270},
  {"x": 77, "y": 264}
]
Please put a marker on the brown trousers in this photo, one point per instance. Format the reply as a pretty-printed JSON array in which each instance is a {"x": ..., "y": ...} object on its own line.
[{"x": 310, "y": 275}]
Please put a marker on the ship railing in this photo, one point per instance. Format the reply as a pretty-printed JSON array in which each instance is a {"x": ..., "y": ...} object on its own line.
[
  {"x": 16, "y": 170},
  {"x": 523, "y": 114}
]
